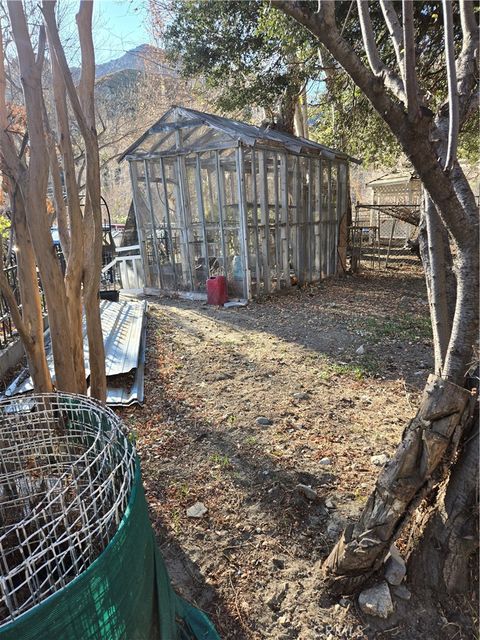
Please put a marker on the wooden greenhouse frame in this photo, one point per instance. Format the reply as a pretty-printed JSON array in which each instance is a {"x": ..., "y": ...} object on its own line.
[{"x": 217, "y": 196}]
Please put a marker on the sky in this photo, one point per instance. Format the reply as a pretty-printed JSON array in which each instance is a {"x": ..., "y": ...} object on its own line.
[{"x": 119, "y": 25}]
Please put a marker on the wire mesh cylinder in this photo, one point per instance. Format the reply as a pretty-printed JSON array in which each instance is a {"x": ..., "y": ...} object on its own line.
[{"x": 66, "y": 474}]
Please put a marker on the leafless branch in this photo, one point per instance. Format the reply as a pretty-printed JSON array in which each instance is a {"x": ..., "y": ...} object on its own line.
[
  {"x": 391, "y": 80},
  {"x": 452, "y": 85},
  {"x": 409, "y": 72},
  {"x": 395, "y": 30}
]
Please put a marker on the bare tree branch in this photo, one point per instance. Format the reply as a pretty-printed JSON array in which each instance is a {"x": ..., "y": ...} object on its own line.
[
  {"x": 409, "y": 72},
  {"x": 467, "y": 62},
  {"x": 14, "y": 309},
  {"x": 395, "y": 30},
  {"x": 453, "y": 121},
  {"x": 391, "y": 80}
]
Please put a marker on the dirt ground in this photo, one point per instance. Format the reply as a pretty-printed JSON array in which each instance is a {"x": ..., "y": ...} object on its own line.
[{"x": 252, "y": 560}]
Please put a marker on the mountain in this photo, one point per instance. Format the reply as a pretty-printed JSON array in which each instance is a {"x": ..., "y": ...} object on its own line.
[{"x": 145, "y": 58}]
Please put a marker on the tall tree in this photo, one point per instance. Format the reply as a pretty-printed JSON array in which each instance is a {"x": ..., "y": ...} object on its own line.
[
  {"x": 29, "y": 167},
  {"x": 256, "y": 59},
  {"x": 434, "y": 445}
]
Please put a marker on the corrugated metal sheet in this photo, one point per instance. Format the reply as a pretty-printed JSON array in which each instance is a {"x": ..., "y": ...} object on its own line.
[
  {"x": 123, "y": 330},
  {"x": 249, "y": 134}
]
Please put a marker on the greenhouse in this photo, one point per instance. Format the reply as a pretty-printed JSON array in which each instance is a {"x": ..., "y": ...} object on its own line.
[{"x": 214, "y": 196}]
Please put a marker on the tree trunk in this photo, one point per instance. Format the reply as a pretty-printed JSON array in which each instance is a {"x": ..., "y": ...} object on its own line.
[
  {"x": 444, "y": 410},
  {"x": 34, "y": 191},
  {"x": 31, "y": 304},
  {"x": 75, "y": 258},
  {"x": 441, "y": 559}
]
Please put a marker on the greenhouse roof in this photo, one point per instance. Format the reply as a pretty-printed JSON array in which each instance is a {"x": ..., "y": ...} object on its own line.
[{"x": 233, "y": 131}]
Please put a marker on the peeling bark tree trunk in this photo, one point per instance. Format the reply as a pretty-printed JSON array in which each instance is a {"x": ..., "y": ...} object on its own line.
[
  {"x": 442, "y": 553},
  {"x": 32, "y": 316},
  {"x": 34, "y": 190},
  {"x": 444, "y": 411}
]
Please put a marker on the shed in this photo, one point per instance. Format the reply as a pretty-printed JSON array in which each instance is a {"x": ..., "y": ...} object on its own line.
[
  {"x": 217, "y": 196},
  {"x": 401, "y": 189}
]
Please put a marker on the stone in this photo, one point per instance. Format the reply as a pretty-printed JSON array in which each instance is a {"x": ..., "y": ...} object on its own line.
[
  {"x": 376, "y": 601},
  {"x": 277, "y": 596},
  {"x": 395, "y": 568},
  {"x": 333, "y": 529},
  {"x": 379, "y": 460},
  {"x": 278, "y": 563},
  {"x": 263, "y": 422},
  {"x": 301, "y": 396},
  {"x": 197, "y": 510},
  {"x": 325, "y": 461},
  {"x": 329, "y": 504},
  {"x": 307, "y": 491},
  {"x": 361, "y": 350},
  {"x": 401, "y": 592}
]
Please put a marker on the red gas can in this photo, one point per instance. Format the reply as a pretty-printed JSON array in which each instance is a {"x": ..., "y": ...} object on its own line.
[{"x": 217, "y": 290}]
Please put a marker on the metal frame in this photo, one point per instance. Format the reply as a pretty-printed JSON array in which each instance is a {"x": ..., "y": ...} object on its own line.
[
  {"x": 305, "y": 231},
  {"x": 66, "y": 474}
]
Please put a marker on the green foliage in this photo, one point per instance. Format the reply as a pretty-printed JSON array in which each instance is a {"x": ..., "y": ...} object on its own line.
[
  {"x": 4, "y": 227},
  {"x": 248, "y": 53},
  {"x": 251, "y": 55},
  {"x": 343, "y": 118}
]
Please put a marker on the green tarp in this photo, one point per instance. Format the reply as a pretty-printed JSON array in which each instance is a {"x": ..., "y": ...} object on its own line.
[{"x": 124, "y": 595}]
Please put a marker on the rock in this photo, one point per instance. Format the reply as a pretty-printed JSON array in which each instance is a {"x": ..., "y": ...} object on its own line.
[
  {"x": 325, "y": 461},
  {"x": 277, "y": 596},
  {"x": 395, "y": 568},
  {"x": 361, "y": 350},
  {"x": 380, "y": 460},
  {"x": 301, "y": 396},
  {"x": 333, "y": 529},
  {"x": 329, "y": 504},
  {"x": 278, "y": 563},
  {"x": 307, "y": 491},
  {"x": 197, "y": 510},
  {"x": 263, "y": 422},
  {"x": 376, "y": 601},
  {"x": 401, "y": 592}
]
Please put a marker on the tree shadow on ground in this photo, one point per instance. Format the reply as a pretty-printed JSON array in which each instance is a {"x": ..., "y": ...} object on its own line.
[{"x": 391, "y": 319}]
